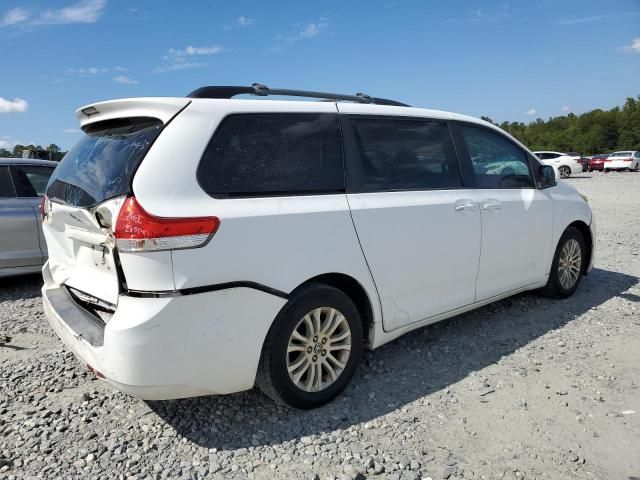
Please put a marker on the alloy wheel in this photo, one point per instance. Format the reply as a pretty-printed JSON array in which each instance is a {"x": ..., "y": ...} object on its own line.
[
  {"x": 318, "y": 350},
  {"x": 570, "y": 263}
]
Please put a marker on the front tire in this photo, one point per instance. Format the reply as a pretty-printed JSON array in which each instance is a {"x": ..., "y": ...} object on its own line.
[
  {"x": 564, "y": 171},
  {"x": 312, "y": 349},
  {"x": 568, "y": 265}
]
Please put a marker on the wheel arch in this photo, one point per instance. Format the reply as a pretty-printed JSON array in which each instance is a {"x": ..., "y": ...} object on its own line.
[
  {"x": 352, "y": 289},
  {"x": 584, "y": 229}
]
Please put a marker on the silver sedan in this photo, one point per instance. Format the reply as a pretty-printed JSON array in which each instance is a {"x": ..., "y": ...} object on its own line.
[{"x": 22, "y": 184}]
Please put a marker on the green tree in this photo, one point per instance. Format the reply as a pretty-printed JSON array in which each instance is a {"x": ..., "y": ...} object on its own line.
[
  {"x": 53, "y": 148},
  {"x": 597, "y": 131},
  {"x": 17, "y": 151}
]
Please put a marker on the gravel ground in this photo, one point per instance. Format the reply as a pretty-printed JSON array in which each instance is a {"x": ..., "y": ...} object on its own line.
[{"x": 523, "y": 388}]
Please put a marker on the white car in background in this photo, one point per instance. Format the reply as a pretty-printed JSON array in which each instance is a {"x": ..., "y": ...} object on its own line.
[
  {"x": 623, "y": 160},
  {"x": 565, "y": 163},
  {"x": 204, "y": 244}
]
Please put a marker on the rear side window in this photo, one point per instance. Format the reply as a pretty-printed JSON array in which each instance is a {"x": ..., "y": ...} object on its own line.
[
  {"x": 274, "y": 154},
  {"x": 30, "y": 180},
  {"x": 402, "y": 154},
  {"x": 497, "y": 163},
  {"x": 102, "y": 164},
  {"x": 6, "y": 185}
]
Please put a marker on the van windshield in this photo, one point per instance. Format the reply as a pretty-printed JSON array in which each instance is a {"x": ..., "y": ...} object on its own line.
[{"x": 101, "y": 165}]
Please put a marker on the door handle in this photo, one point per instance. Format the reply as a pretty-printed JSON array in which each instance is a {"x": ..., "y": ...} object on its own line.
[
  {"x": 492, "y": 204},
  {"x": 465, "y": 205}
]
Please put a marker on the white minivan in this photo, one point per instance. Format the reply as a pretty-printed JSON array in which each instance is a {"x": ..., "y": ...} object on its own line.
[{"x": 206, "y": 244}]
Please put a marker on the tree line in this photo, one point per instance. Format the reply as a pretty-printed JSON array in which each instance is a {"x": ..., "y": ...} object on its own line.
[
  {"x": 52, "y": 152},
  {"x": 597, "y": 131}
]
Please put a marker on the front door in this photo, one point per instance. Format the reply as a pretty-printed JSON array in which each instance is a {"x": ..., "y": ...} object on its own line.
[{"x": 517, "y": 218}]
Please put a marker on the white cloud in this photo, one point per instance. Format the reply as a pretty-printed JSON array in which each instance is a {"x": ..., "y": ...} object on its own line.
[
  {"x": 303, "y": 32},
  {"x": 15, "y": 105},
  {"x": 7, "y": 143},
  {"x": 595, "y": 18},
  {"x": 125, "y": 80},
  {"x": 84, "y": 11},
  {"x": 531, "y": 111},
  {"x": 312, "y": 30},
  {"x": 86, "y": 72},
  {"x": 72, "y": 130},
  {"x": 178, "y": 66},
  {"x": 579, "y": 20},
  {"x": 14, "y": 16},
  {"x": 119, "y": 69},
  {"x": 176, "y": 54},
  {"x": 245, "y": 22},
  {"x": 182, "y": 59},
  {"x": 566, "y": 109},
  {"x": 633, "y": 48},
  {"x": 240, "y": 22},
  {"x": 480, "y": 15}
]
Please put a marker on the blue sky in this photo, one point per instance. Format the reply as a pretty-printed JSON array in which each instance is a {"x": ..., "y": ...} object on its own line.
[{"x": 510, "y": 60}]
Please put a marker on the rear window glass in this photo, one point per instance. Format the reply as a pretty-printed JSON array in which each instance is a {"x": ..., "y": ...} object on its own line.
[
  {"x": 274, "y": 154},
  {"x": 101, "y": 165},
  {"x": 621, "y": 154}
]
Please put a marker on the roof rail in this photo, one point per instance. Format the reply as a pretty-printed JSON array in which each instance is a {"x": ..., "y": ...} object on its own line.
[{"x": 263, "y": 91}]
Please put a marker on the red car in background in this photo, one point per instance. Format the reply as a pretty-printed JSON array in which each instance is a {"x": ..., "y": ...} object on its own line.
[{"x": 597, "y": 162}]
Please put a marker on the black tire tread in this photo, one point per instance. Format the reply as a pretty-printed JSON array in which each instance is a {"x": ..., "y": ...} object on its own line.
[{"x": 264, "y": 380}]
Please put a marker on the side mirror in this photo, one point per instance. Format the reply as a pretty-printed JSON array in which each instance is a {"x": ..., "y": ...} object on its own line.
[{"x": 548, "y": 176}]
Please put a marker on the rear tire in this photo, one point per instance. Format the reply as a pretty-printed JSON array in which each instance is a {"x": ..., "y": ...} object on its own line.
[
  {"x": 569, "y": 259},
  {"x": 300, "y": 348}
]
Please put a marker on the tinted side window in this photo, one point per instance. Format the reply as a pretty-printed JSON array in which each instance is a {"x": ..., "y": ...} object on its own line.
[
  {"x": 6, "y": 185},
  {"x": 497, "y": 163},
  {"x": 30, "y": 180},
  {"x": 402, "y": 154},
  {"x": 274, "y": 153},
  {"x": 542, "y": 156}
]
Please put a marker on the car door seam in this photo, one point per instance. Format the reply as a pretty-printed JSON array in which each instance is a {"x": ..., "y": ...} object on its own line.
[{"x": 366, "y": 261}]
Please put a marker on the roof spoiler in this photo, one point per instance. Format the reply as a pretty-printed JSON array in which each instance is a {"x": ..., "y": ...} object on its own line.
[{"x": 161, "y": 108}]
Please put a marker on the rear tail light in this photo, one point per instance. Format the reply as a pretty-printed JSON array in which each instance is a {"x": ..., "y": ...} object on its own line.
[
  {"x": 139, "y": 231},
  {"x": 627, "y": 159}
]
